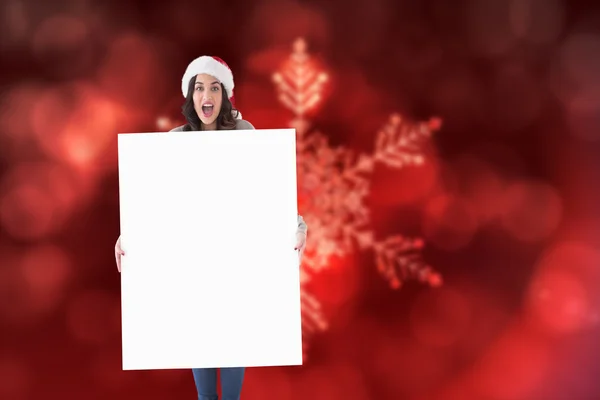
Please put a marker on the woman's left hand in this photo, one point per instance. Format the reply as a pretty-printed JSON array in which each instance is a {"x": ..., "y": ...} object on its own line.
[{"x": 300, "y": 244}]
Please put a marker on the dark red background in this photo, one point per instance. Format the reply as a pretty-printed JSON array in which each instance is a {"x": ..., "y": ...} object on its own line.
[{"x": 507, "y": 206}]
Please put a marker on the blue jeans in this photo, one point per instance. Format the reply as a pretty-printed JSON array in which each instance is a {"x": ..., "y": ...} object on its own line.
[{"x": 231, "y": 383}]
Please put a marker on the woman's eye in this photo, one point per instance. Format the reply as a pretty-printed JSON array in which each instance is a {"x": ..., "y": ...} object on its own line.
[{"x": 215, "y": 89}]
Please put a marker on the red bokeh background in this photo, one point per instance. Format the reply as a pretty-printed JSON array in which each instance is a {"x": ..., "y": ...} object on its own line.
[{"x": 507, "y": 204}]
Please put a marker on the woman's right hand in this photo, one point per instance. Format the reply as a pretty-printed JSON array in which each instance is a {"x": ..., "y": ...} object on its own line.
[{"x": 118, "y": 253}]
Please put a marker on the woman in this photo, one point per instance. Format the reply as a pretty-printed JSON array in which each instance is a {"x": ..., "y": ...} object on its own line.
[{"x": 207, "y": 86}]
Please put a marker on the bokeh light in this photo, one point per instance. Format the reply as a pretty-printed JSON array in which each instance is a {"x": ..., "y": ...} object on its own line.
[
  {"x": 15, "y": 23},
  {"x": 449, "y": 222},
  {"x": 580, "y": 58},
  {"x": 133, "y": 71},
  {"x": 584, "y": 119},
  {"x": 532, "y": 211},
  {"x": 75, "y": 122},
  {"x": 559, "y": 301},
  {"x": 281, "y": 22},
  {"x": 37, "y": 198},
  {"x": 562, "y": 296},
  {"x": 62, "y": 43},
  {"x": 24, "y": 214},
  {"x": 513, "y": 368},
  {"x": 477, "y": 180},
  {"x": 15, "y": 119},
  {"x": 539, "y": 22},
  {"x": 47, "y": 271},
  {"x": 488, "y": 26},
  {"x": 573, "y": 77}
]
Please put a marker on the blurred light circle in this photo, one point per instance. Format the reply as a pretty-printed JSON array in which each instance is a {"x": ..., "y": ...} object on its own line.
[
  {"x": 580, "y": 58},
  {"x": 449, "y": 222},
  {"x": 584, "y": 119},
  {"x": 63, "y": 45},
  {"x": 539, "y": 22},
  {"x": 281, "y": 22},
  {"x": 574, "y": 70},
  {"x": 563, "y": 294},
  {"x": 26, "y": 212},
  {"x": 479, "y": 182},
  {"x": 559, "y": 301},
  {"x": 517, "y": 98},
  {"x": 504, "y": 158},
  {"x": 36, "y": 198},
  {"x": 74, "y": 123},
  {"x": 15, "y": 119},
  {"x": 16, "y": 24},
  {"x": 59, "y": 31},
  {"x": 532, "y": 210},
  {"x": 488, "y": 27},
  {"x": 133, "y": 72},
  {"x": 513, "y": 368},
  {"x": 47, "y": 270}
]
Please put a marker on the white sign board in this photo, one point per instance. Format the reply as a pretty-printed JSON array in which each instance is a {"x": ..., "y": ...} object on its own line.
[{"x": 210, "y": 277}]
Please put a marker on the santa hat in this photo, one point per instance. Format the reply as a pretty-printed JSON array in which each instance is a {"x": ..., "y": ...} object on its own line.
[{"x": 216, "y": 67}]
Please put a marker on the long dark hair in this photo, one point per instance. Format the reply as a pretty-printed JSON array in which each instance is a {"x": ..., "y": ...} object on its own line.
[{"x": 225, "y": 119}]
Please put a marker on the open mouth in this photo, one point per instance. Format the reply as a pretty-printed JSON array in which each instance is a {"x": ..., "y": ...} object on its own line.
[{"x": 207, "y": 110}]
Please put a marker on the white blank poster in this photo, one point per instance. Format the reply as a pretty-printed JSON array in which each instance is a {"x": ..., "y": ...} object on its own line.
[{"x": 210, "y": 277}]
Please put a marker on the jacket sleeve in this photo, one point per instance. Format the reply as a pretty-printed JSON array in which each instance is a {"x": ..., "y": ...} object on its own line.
[{"x": 302, "y": 227}]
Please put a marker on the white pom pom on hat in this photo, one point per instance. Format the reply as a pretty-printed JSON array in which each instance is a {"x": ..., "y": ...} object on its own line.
[{"x": 213, "y": 66}]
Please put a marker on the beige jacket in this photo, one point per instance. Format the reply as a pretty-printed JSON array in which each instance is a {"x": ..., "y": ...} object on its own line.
[{"x": 243, "y": 124}]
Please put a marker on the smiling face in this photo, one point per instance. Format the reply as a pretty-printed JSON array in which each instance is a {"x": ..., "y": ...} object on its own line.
[{"x": 208, "y": 98}]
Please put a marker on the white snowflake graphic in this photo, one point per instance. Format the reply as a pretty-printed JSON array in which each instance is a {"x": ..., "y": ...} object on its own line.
[{"x": 334, "y": 183}]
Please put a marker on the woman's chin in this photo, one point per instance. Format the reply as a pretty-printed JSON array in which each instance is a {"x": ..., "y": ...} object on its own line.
[{"x": 208, "y": 120}]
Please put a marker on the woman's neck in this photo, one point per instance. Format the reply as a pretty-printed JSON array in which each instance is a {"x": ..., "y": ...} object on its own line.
[{"x": 211, "y": 127}]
